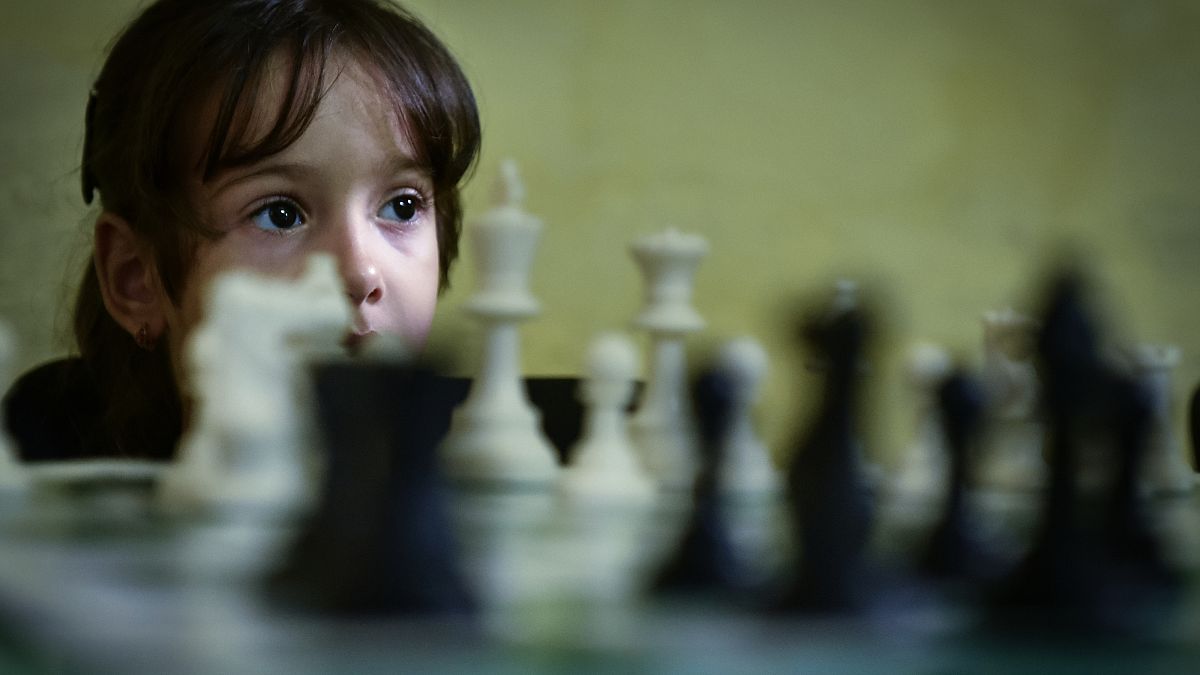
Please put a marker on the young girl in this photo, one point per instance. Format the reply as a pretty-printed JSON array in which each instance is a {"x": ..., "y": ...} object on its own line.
[{"x": 228, "y": 134}]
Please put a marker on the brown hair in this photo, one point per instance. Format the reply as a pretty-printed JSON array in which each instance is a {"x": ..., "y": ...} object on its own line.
[{"x": 180, "y": 55}]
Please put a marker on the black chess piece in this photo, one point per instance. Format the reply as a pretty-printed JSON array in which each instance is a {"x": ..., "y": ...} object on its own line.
[
  {"x": 1138, "y": 564},
  {"x": 380, "y": 540},
  {"x": 705, "y": 559},
  {"x": 954, "y": 550},
  {"x": 1094, "y": 566},
  {"x": 829, "y": 500},
  {"x": 1056, "y": 584}
]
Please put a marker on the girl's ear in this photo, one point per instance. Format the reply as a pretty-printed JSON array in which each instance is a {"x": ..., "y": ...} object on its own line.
[{"x": 128, "y": 279}]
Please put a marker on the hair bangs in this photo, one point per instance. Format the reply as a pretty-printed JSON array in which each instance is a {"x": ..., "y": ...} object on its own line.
[
  {"x": 432, "y": 97},
  {"x": 249, "y": 127}
]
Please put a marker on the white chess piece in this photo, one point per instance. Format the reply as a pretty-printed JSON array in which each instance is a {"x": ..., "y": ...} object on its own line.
[
  {"x": 606, "y": 498},
  {"x": 1012, "y": 448},
  {"x": 249, "y": 443},
  {"x": 13, "y": 478},
  {"x": 495, "y": 434},
  {"x": 746, "y": 467},
  {"x": 662, "y": 427},
  {"x": 924, "y": 470},
  {"x": 748, "y": 484},
  {"x": 845, "y": 296},
  {"x": 1166, "y": 470},
  {"x": 603, "y": 464}
]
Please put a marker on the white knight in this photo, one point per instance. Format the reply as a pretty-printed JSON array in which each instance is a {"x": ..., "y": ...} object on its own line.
[{"x": 249, "y": 441}]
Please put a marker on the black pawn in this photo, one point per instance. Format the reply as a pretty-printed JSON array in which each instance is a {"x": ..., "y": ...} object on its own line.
[
  {"x": 705, "y": 559},
  {"x": 954, "y": 551},
  {"x": 380, "y": 540},
  {"x": 1134, "y": 549},
  {"x": 829, "y": 500}
]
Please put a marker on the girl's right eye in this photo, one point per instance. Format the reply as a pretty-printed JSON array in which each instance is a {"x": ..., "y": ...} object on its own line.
[{"x": 279, "y": 215}]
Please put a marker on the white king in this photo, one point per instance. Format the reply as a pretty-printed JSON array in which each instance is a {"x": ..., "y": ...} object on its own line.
[{"x": 495, "y": 435}]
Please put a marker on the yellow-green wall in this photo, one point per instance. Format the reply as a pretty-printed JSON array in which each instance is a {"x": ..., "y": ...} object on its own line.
[{"x": 939, "y": 151}]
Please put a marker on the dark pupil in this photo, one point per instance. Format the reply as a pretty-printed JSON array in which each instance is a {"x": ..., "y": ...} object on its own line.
[
  {"x": 406, "y": 207},
  {"x": 282, "y": 216}
]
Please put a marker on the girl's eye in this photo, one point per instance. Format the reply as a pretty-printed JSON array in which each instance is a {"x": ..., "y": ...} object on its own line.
[
  {"x": 404, "y": 208},
  {"x": 278, "y": 215}
]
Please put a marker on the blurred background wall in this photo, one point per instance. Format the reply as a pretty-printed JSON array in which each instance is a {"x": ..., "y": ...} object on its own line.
[{"x": 940, "y": 152}]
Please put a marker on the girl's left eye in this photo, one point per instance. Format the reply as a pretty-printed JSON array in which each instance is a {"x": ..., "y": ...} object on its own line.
[{"x": 403, "y": 208}]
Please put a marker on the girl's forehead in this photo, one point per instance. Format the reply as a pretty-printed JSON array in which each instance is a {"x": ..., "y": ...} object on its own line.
[
  {"x": 371, "y": 91},
  {"x": 269, "y": 114}
]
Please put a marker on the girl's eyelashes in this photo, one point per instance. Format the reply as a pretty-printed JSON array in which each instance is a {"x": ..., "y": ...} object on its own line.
[
  {"x": 278, "y": 215},
  {"x": 281, "y": 215},
  {"x": 403, "y": 208}
]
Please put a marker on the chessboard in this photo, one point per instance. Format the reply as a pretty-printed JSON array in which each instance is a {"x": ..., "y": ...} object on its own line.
[
  {"x": 107, "y": 586},
  {"x": 371, "y": 513}
]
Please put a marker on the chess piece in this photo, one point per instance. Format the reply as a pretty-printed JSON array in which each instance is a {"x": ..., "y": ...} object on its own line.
[
  {"x": 1058, "y": 579},
  {"x": 495, "y": 434},
  {"x": 380, "y": 541},
  {"x": 746, "y": 467},
  {"x": 845, "y": 298},
  {"x": 603, "y": 463},
  {"x": 954, "y": 551},
  {"x": 830, "y": 504},
  {"x": 924, "y": 470},
  {"x": 1086, "y": 570},
  {"x": 13, "y": 479},
  {"x": 605, "y": 496},
  {"x": 249, "y": 441},
  {"x": 750, "y": 487},
  {"x": 1012, "y": 450},
  {"x": 705, "y": 559},
  {"x": 1193, "y": 416},
  {"x": 1167, "y": 472},
  {"x": 662, "y": 427},
  {"x": 1135, "y": 417}
]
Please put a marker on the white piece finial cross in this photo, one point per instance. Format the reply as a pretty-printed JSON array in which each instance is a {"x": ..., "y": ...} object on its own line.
[{"x": 509, "y": 190}]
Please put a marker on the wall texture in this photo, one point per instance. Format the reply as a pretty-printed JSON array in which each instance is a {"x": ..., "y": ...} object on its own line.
[{"x": 939, "y": 151}]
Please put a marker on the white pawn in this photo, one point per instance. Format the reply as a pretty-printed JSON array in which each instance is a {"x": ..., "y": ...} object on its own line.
[
  {"x": 495, "y": 435},
  {"x": 662, "y": 427},
  {"x": 1166, "y": 471},
  {"x": 602, "y": 463},
  {"x": 924, "y": 471},
  {"x": 746, "y": 467},
  {"x": 748, "y": 485},
  {"x": 606, "y": 497},
  {"x": 13, "y": 478},
  {"x": 1012, "y": 457}
]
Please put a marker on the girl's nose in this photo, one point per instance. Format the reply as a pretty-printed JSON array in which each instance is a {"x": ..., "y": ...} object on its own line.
[
  {"x": 360, "y": 272},
  {"x": 364, "y": 285}
]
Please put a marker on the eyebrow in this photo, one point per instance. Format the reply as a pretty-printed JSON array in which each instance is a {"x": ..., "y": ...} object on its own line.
[
  {"x": 284, "y": 169},
  {"x": 403, "y": 164},
  {"x": 398, "y": 164}
]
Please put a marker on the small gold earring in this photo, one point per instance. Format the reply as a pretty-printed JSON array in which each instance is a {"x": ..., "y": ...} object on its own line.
[{"x": 143, "y": 338}]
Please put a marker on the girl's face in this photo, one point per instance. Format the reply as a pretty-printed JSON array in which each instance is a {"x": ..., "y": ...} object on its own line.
[{"x": 350, "y": 186}]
